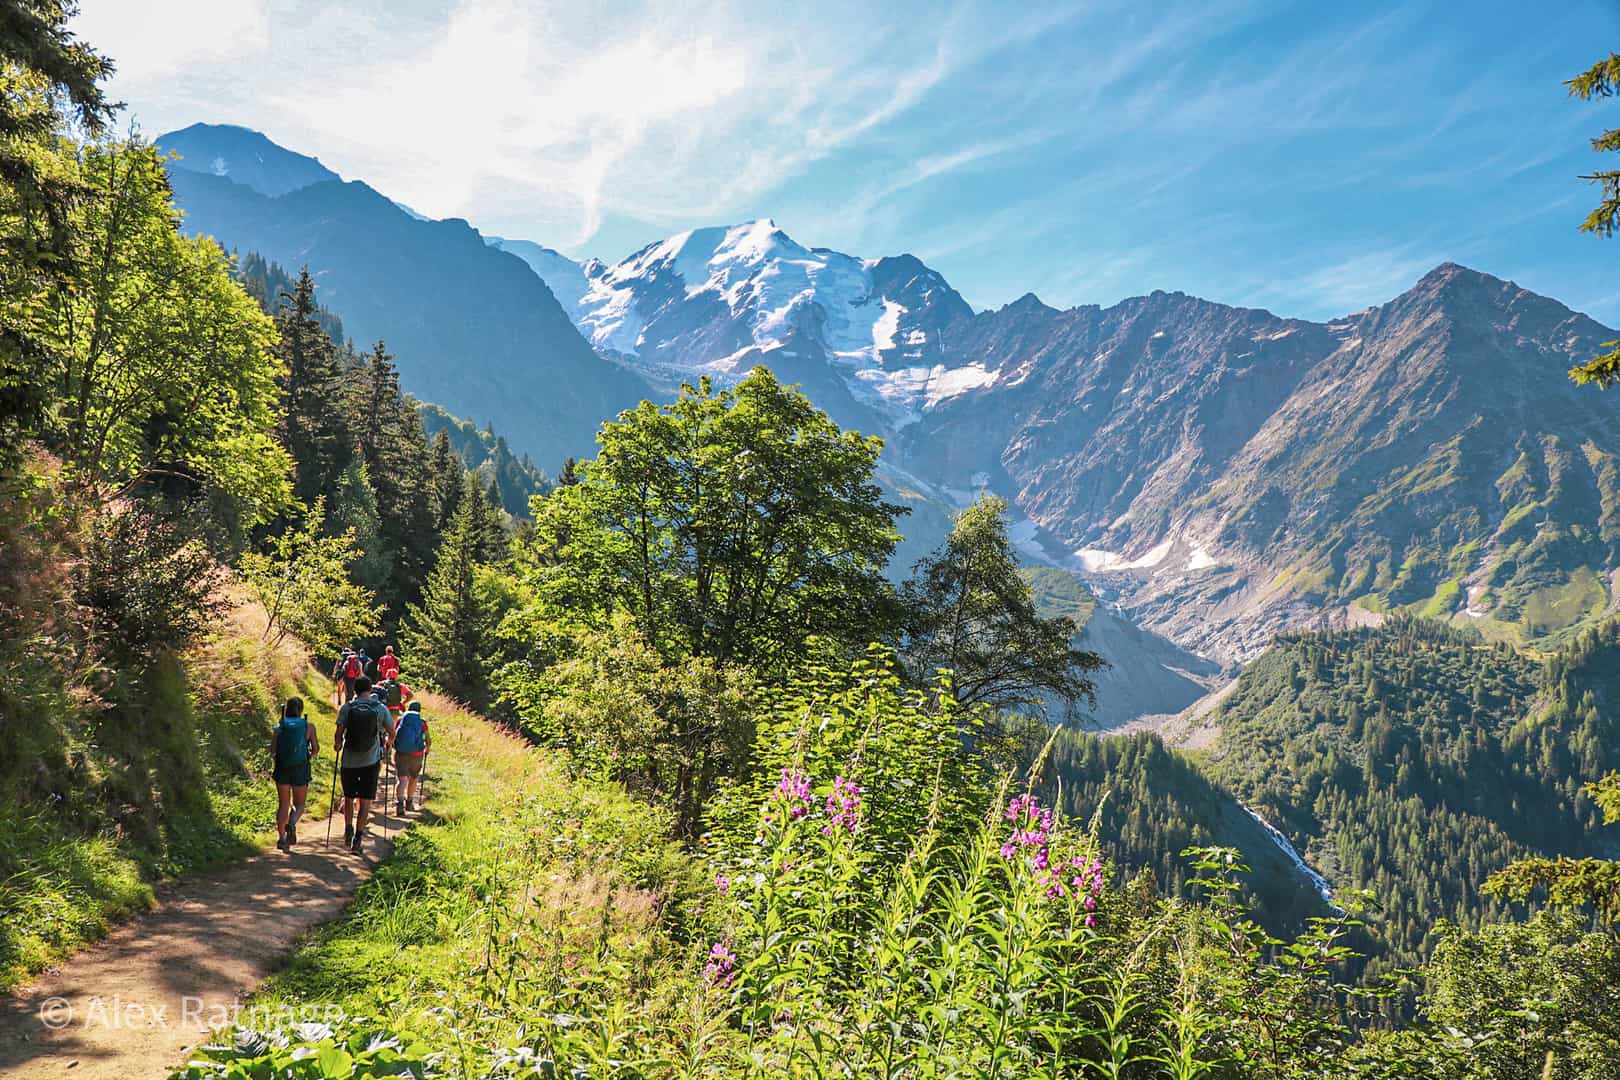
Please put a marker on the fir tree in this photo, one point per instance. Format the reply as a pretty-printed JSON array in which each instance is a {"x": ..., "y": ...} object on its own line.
[
  {"x": 314, "y": 428},
  {"x": 445, "y": 635}
]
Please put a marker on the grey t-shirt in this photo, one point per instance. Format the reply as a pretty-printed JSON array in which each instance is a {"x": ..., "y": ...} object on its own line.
[{"x": 362, "y": 756}]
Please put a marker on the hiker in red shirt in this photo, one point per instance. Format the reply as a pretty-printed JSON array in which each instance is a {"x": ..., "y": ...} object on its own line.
[
  {"x": 388, "y": 664},
  {"x": 348, "y": 669}
]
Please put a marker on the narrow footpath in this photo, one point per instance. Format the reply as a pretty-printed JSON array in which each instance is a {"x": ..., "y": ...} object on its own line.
[{"x": 138, "y": 1002}]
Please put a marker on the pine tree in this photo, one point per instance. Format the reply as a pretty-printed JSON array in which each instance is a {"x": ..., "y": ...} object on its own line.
[
  {"x": 314, "y": 426},
  {"x": 448, "y": 473},
  {"x": 445, "y": 635}
]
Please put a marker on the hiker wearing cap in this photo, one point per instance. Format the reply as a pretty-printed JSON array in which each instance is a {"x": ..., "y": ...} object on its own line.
[
  {"x": 364, "y": 732},
  {"x": 412, "y": 741},
  {"x": 292, "y": 746}
]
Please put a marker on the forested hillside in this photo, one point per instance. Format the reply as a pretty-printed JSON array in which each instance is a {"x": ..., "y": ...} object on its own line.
[{"x": 1415, "y": 759}]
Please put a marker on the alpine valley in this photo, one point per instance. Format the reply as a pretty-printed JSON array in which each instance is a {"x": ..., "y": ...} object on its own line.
[{"x": 1354, "y": 569}]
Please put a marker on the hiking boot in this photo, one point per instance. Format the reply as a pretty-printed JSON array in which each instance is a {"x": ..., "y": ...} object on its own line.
[
  {"x": 282, "y": 842},
  {"x": 355, "y": 847},
  {"x": 401, "y": 807},
  {"x": 348, "y": 835},
  {"x": 412, "y": 804},
  {"x": 291, "y": 837}
]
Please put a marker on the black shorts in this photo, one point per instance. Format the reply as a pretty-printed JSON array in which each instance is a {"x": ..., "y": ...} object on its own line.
[
  {"x": 296, "y": 775},
  {"x": 360, "y": 783}
]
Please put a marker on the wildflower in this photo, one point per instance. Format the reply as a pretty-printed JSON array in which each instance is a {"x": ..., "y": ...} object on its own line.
[
  {"x": 794, "y": 789},
  {"x": 722, "y": 883},
  {"x": 721, "y": 968},
  {"x": 843, "y": 806}
]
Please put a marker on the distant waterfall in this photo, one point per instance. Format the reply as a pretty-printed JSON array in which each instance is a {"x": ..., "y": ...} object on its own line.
[{"x": 1287, "y": 849}]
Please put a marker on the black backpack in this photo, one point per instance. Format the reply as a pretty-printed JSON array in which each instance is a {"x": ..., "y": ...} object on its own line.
[{"x": 360, "y": 729}]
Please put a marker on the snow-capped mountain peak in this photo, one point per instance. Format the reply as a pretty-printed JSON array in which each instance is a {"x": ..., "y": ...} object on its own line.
[{"x": 715, "y": 300}]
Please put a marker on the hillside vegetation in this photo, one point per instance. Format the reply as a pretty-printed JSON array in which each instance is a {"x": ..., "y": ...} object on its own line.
[{"x": 1414, "y": 759}]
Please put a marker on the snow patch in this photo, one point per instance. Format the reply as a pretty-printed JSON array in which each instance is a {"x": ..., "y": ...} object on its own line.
[
  {"x": 887, "y": 325},
  {"x": 1200, "y": 559},
  {"x": 1096, "y": 560}
]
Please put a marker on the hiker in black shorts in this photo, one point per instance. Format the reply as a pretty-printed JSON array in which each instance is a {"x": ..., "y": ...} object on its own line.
[
  {"x": 291, "y": 748},
  {"x": 364, "y": 733}
]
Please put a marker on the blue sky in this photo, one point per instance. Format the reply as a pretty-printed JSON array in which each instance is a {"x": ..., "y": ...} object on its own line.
[{"x": 1309, "y": 158}]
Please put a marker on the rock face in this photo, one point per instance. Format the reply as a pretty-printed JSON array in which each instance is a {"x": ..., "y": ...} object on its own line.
[
  {"x": 1226, "y": 473},
  {"x": 1221, "y": 473},
  {"x": 471, "y": 327}
]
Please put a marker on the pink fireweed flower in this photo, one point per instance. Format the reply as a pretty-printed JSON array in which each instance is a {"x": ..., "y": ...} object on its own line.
[
  {"x": 843, "y": 806},
  {"x": 722, "y": 883},
  {"x": 794, "y": 789},
  {"x": 720, "y": 969}
]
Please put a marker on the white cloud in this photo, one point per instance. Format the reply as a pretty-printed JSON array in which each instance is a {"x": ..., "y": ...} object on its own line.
[{"x": 153, "y": 45}]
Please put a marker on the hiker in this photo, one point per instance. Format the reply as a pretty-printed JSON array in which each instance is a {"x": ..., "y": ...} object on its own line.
[
  {"x": 368, "y": 666},
  {"x": 291, "y": 747},
  {"x": 412, "y": 741},
  {"x": 396, "y": 695},
  {"x": 348, "y": 670},
  {"x": 364, "y": 732},
  {"x": 388, "y": 664}
]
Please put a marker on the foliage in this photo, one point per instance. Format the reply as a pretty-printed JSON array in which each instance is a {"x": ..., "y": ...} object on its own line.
[
  {"x": 1601, "y": 80},
  {"x": 48, "y": 81},
  {"x": 731, "y": 525},
  {"x": 147, "y": 583},
  {"x": 315, "y": 427},
  {"x": 667, "y": 732},
  {"x": 1537, "y": 999},
  {"x": 164, "y": 368},
  {"x": 302, "y": 582},
  {"x": 1414, "y": 760},
  {"x": 309, "y": 1050},
  {"x": 968, "y": 611}
]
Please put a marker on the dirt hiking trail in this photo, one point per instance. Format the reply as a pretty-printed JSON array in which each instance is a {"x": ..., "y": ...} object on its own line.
[{"x": 152, "y": 990}]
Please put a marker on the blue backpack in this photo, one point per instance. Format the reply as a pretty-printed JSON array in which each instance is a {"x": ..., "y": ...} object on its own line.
[
  {"x": 409, "y": 736},
  {"x": 292, "y": 741}
]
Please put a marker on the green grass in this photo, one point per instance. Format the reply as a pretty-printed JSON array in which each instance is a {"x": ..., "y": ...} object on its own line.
[
  {"x": 1557, "y": 607},
  {"x": 157, "y": 776}
]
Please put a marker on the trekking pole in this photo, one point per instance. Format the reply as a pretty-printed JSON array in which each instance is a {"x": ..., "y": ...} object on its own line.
[
  {"x": 331, "y": 801},
  {"x": 388, "y": 789}
]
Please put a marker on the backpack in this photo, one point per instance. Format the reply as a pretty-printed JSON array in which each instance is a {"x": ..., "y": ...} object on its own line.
[
  {"x": 352, "y": 668},
  {"x": 360, "y": 729},
  {"x": 395, "y": 697},
  {"x": 409, "y": 736},
  {"x": 292, "y": 741}
]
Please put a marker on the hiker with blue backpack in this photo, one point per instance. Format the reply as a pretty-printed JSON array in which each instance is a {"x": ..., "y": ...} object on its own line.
[
  {"x": 364, "y": 733},
  {"x": 412, "y": 741},
  {"x": 291, "y": 748}
]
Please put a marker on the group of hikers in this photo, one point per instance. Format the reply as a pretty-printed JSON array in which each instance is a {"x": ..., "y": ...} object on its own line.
[{"x": 376, "y": 716}]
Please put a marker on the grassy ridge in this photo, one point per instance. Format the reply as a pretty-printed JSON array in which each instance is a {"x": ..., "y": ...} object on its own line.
[{"x": 150, "y": 777}]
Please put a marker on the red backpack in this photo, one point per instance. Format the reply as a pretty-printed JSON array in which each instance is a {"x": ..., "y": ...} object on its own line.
[{"x": 351, "y": 668}]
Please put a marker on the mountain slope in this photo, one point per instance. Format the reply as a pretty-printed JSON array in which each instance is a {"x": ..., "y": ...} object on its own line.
[
  {"x": 472, "y": 328},
  {"x": 1228, "y": 474},
  {"x": 243, "y": 155}
]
